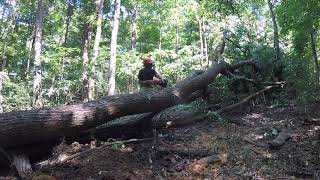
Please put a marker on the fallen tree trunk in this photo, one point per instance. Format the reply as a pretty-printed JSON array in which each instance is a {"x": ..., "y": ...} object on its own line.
[
  {"x": 174, "y": 119},
  {"x": 135, "y": 125},
  {"x": 28, "y": 127},
  {"x": 132, "y": 126},
  {"x": 128, "y": 126}
]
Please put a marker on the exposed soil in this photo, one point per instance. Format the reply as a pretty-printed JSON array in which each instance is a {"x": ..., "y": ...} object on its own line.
[{"x": 298, "y": 158}]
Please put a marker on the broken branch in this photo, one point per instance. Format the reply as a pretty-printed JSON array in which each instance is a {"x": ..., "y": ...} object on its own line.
[{"x": 244, "y": 101}]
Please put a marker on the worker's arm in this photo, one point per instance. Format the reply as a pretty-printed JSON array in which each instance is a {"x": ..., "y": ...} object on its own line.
[
  {"x": 147, "y": 82},
  {"x": 157, "y": 75}
]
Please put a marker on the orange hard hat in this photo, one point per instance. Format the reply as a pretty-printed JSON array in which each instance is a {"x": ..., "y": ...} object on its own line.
[{"x": 147, "y": 60}]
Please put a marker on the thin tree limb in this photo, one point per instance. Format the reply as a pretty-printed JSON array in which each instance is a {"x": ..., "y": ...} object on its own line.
[{"x": 244, "y": 101}]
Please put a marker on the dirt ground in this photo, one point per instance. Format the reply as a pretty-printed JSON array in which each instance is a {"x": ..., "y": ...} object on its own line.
[{"x": 298, "y": 158}]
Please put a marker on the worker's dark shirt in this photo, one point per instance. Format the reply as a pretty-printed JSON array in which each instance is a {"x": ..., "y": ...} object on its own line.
[{"x": 146, "y": 74}]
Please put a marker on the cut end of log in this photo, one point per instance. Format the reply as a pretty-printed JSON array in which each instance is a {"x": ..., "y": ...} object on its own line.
[{"x": 23, "y": 166}]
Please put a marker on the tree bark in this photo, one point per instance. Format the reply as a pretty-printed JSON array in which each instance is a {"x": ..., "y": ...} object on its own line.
[
  {"x": 113, "y": 48},
  {"x": 160, "y": 31},
  {"x": 134, "y": 32},
  {"x": 9, "y": 27},
  {"x": 4, "y": 9},
  {"x": 201, "y": 39},
  {"x": 315, "y": 56},
  {"x": 37, "y": 57},
  {"x": 29, "y": 47},
  {"x": 4, "y": 24},
  {"x": 205, "y": 43},
  {"x": 99, "y": 16},
  {"x": 174, "y": 119},
  {"x": 68, "y": 20},
  {"x": 278, "y": 69},
  {"x": 205, "y": 48},
  {"x": 3, "y": 77},
  {"x": 86, "y": 91},
  {"x": 177, "y": 37}
]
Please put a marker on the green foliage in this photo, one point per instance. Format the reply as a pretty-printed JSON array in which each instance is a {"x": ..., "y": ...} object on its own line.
[
  {"x": 16, "y": 96},
  {"x": 168, "y": 31},
  {"x": 215, "y": 116}
]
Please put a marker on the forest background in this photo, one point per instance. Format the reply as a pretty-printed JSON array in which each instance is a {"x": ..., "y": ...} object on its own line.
[{"x": 56, "y": 52}]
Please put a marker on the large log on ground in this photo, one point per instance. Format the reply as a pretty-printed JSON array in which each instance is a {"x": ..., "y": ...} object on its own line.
[
  {"x": 135, "y": 125},
  {"x": 27, "y": 127}
]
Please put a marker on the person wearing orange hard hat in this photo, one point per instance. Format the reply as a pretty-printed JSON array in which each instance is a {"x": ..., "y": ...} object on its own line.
[{"x": 148, "y": 76}]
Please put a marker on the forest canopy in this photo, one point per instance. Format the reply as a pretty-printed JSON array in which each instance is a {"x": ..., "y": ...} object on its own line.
[
  {"x": 240, "y": 78},
  {"x": 56, "y": 52}
]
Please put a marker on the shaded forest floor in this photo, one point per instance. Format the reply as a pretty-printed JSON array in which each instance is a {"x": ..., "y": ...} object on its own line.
[{"x": 298, "y": 158}]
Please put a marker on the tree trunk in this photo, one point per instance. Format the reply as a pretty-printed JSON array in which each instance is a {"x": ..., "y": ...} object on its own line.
[
  {"x": 206, "y": 50},
  {"x": 278, "y": 69},
  {"x": 99, "y": 16},
  {"x": 113, "y": 48},
  {"x": 37, "y": 57},
  {"x": 68, "y": 20},
  {"x": 134, "y": 32},
  {"x": 29, "y": 47},
  {"x": 205, "y": 43},
  {"x": 201, "y": 39},
  {"x": 3, "y": 23},
  {"x": 3, "y": 77},
  {"x": 160, "y": 32},
  {"x": 9, "y": 27},
  {"x": 27, "y": 127},
  {"x": 160, "y": 38},
  {"x": 2, "y": 18},
  {"x": 85, "y": 64},
  {"x": 177, "y": 38},
  {"x": 130, "y": 84},
  {"x": 314, "y": 53}
]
